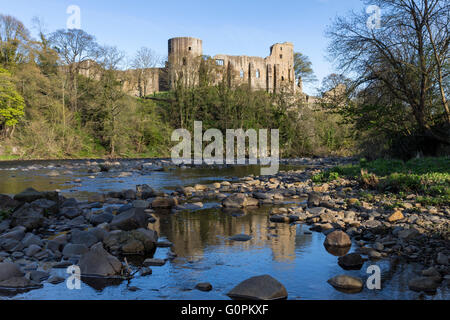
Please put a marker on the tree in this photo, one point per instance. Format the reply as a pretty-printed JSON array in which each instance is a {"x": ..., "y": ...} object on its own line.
[
  {"x": 405, "y": 58},
  {"x": 144, "y": 60},
  {"x": 13, "y": 41},
  {"x": 77, "y": 50},
  {"x": 303, "y": 68},
  {"x": 11, "y": 104}
]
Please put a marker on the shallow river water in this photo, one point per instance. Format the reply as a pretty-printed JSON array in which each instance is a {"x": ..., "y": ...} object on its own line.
[{"x": 289, "y": 253}]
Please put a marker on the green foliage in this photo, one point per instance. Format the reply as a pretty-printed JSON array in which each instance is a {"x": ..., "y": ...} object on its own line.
[
  {"x": 427, "y": 177},
  {"x": 11, "y": 102}
]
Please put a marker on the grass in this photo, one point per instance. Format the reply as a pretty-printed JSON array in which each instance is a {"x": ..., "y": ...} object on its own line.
[{"x": 427, "y": 177}]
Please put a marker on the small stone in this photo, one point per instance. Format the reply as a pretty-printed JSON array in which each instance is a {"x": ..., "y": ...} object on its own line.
[
  {"x": 145, "y": 271},
  {"x": 204, "y": 286},
  {"x": 154, "y": 262},
  {"x": 426, "y": 284},
  {"x": 338, "y": 239},
  {"x": 346, "y": 283},
  {"x": 55, "y": 280},
  {"x": 397, "y": 215},
  {"x": 442, "y": 259}
]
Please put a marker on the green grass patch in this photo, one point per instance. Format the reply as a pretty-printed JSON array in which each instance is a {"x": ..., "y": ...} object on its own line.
[{"x": 427, "y": 177}]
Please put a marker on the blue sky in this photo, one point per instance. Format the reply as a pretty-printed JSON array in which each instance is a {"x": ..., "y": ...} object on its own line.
[{"x": 245, "y": 27}]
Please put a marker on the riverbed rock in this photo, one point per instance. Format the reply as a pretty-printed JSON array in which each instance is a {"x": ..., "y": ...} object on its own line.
[
  {"x": 204, "y": 286},
  {"x": 314, "y": 199},
  {"x": 140, "y": 241},
  {"x": 154, "y": 262},
  {"x": 164, "y": 203},
  {"x": 100, "y": 218},
  {"x": 144, "y": 192},
  {"x": 351, "y": 261},
  {"x": 71, "y": 212},
  {"x": 131, "y": 219},
  {"x": 71, "y": 250},
  {"x": 337, "y": 239},
  {"x": 30, "y": 195},
  {"x": 442, "y": 259},
  {"x": 7, "y": 203},
  {"x": 9, "y": 270},
  {"x": 239, "y": 200},
  {"x": 346, "y": 283},
  {"x": 259, "y": 288},
  {"x": 397, "y": 215},
  {"x": 98, "y": 262},
  {"x": 28, "y": 216},
  {"x": 86, "y": 238},
  {"x": 426, "y": 284},
  {"x": 19, "y": 283}
]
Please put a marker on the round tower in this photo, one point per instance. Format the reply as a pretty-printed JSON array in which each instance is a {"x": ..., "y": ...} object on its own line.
[{"x": 184, "y": 48}]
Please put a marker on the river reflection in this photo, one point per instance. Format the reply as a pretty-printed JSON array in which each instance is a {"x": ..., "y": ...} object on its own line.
[{"x": 193, "y": 232}]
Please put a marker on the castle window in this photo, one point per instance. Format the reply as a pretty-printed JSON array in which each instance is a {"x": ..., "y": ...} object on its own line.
[
  {"x": 281, "y": 56},
  {"x": 282, "y": 78},
  {"x": 258, "y": 75},
  {"x": 220, "y": 62},
  {"x": 190, "y": 48},
  {"x": 184, "y": 61},
  {"x": 242, "y": 73}
]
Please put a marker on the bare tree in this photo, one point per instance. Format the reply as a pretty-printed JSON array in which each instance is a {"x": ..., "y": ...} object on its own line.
[
  {"x": 143, "y": 63},
  {"x": 406, "y": 56}
]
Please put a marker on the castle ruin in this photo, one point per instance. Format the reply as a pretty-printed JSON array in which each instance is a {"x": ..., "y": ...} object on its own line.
[{"x": 186, "y": 53}]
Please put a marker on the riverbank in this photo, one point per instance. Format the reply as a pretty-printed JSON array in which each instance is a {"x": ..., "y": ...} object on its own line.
[{"x": 42, "y": 231}]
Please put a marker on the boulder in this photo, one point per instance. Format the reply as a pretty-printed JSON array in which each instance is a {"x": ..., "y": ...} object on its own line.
[
  {"x": 98, "y": 262},
  {"x": 71, "y": 212},
  {"x": 19, "y": 283},
  {"x": 346, "y": 283},
  {"x": 30, "y": 195},
  {"x": 144, "y": 192},
  {"x": 71, "y": 250},
  {"x": 154, "y": 262},
  {"x": 86, "y": 238},
  {"x": 100, "y": 218},
  {"x": 239, "y": 200},
  {"x": 351, "y": 261},
  {"x": 259, "y": 288},
  {"x": 140, "y": 241},
  {"x": 7, "y": 203},
  {"x": 28, "y": 216},
  {"x": 426, "y": 284},
  {"x": 129, "y": 220},
  {"x": 314, "y": 199},
  {"x": 49, "y": 207},
  {"x": 9, "y": 270},
  {"x": 164, "y": 203},
  {"x": 337, "y": 239}
]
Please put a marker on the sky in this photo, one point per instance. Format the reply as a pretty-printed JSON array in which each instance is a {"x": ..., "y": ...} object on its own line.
[{"x": 245, "y": 27}]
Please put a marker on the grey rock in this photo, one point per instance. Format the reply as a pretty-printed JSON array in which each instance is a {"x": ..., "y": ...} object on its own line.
[
  {"x": 98, "y": 262},
  {"x": 337, "y": 239},
  {"x": 351, "y": 261},
  {"x": 129, "y": 220},
  {"x": 28, "y": 216},
  {"x": 74, "y": 250},
  {"x": 346, "y": 283},
  {"x": 154, "y": 262},
  {"x": 204, "y": 286},
  {"x": 86, "y": 238},
  {"x": 9, "y": 270},
  {"x": 259, "y": 288},
  {"x": 426, "y": 284}
]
